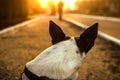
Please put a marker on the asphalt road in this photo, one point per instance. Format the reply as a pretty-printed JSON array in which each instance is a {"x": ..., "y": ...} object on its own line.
[
  {"x": 108, "y": 25},
  {"x": 19, "y": 46}
]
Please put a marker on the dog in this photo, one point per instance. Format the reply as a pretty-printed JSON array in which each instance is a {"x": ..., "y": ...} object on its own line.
[{"x": 62, "y": 60}]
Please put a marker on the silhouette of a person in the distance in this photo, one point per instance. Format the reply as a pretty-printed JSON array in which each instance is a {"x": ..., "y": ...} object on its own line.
[
  {"x": 60, "y": 10},
  {"x": 53, "y": 10}
]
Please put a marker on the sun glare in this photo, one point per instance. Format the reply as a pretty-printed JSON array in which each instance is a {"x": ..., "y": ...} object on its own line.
[{"x": 68, "y": 4}]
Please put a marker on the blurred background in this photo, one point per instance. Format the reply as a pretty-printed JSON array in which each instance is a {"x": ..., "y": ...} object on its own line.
[
  {"x": 15, "y": 11},
  {"x": 20, "y": 44}
]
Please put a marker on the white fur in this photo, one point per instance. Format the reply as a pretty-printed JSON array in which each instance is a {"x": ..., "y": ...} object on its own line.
[
  {"x": 59, "y": 61},
  {"x": 24, "y": 77}
]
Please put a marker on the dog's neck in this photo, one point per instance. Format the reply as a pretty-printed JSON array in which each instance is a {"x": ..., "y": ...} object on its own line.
[{"x": 64, "y": 58}]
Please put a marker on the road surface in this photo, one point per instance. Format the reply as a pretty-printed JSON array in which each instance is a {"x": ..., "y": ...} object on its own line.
[
  {"x": 110, "y": 26},
  {"x": 19, "y": 46}
]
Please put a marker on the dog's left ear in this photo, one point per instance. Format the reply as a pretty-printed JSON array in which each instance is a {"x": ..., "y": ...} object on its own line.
[
  {"x": 56, "y": 33},
  {"x": 87, "y": 38}
]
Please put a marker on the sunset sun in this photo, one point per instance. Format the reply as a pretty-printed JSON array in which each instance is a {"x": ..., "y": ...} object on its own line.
[{"x": 68, "y": 4}]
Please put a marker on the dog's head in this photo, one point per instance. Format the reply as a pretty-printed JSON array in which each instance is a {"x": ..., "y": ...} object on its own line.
[
  {"x": 84, "y": 42},
  {"x": 61, "y": 58}
]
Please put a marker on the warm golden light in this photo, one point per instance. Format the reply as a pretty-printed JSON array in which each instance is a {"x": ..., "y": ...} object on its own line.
[
  {"x": 70, "y": 4},
  {"x": 67, "y": 3}
]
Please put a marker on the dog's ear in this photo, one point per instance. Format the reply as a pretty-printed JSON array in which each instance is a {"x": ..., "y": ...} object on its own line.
[
  {"x": 56, "y": 33},
  {"x": 87, "y": 38}
]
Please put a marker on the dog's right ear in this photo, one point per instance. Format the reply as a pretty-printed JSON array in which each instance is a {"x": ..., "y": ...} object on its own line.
[
  {"x": 56, "y": 33},
  {"x": 87, "y": 38}
]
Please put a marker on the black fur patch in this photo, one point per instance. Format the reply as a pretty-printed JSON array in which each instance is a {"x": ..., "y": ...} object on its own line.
[
  {"x": 86, "y": 40},
  {"x": 32, "y": 76},
  {"x": 77, "y": 42},
  {"x": 56, "y": 33}
]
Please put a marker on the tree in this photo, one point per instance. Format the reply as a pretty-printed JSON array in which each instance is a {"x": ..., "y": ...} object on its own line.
[{"x": 12, "y": 11}]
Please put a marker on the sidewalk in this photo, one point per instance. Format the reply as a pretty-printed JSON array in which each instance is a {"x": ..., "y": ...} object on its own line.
[
  {"x": 108, "y": 25},
  {"x": 21, "y": 44}
]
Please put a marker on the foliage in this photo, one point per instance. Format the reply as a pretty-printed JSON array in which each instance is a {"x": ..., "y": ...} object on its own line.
[
  {"x": 99, "y": 7},
  {"x": 12, "y": 11}
]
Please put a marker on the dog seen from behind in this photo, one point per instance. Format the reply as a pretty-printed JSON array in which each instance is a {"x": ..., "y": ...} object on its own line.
[{"x": 62, "y": 60}]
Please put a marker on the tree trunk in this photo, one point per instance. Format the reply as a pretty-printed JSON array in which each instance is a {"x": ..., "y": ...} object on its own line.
[{"x": 12, "y": 12}]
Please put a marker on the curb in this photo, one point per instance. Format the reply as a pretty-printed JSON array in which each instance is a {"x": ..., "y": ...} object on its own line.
[
  {"x": 100, "y": 34},
  {"x": 11, "y": 28},
  {"x": 99, "y": 17}
]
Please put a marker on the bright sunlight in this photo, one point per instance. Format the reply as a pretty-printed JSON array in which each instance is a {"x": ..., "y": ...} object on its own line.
[{"x": 68, "y": 4}]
